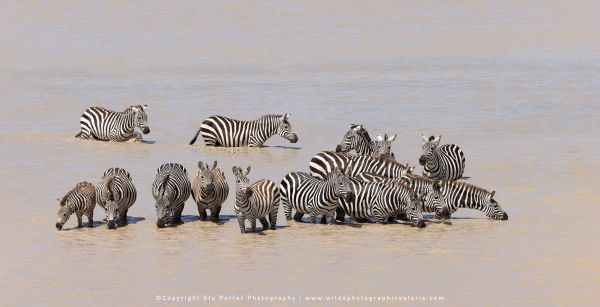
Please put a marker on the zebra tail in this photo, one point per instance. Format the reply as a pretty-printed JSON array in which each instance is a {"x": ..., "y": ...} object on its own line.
[
  {"x": 195, "y": 137},
  {"x": 78, "y": 135}
]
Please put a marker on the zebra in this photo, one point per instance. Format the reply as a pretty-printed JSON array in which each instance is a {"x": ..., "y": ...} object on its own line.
[
  {"x": 358, "y": 139},
  {"x": 446, "y": 162},
  {"x": 382, "y": 201},
  {"x": 433, "y": 201},
  {"x": 209, "y": 190},
  {"x": 324, "y": 162},
  {"x": 308, "y": 195},
  {"x": 99, "y": 123},
  {"x": 382, "y": 147},
  {"x": 459, "y": 194},
  {"x": 171, "y": 188},
  {"x": 226, "y": 132},
  {"x": 80, "y": 200},
  {"x": 255, "y": 201},
  {"x": 115, "y": 193}
]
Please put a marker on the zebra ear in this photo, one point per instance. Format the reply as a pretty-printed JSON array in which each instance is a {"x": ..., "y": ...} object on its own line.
[
  {"x": 144, "y": 107},
  {"x": 349, "y": 171},
  {"x": 392, "y": 138},
  {"x": 214, "y": 165},
  {"x": 437, "y": 140},
  {"x": 247, "y": 171},
  {"x": 285, "y": 117},
  {"x": 425, "y": 140},
  {"x": 380, "y": 138},
  {"x": 201, "y": 165},
  {"x": 492, "y": 194}
]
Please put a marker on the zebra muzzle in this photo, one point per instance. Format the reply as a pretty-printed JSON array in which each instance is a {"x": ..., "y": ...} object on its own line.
[
  {"x": 59, "y": 226},
  {"x": 422, "y": 160},
  {"x": 293, "y": 138},
  {"x": 421, "y": 224},
  {"x": 146, "y": 130},
  {"x": 111, "y": 224}
]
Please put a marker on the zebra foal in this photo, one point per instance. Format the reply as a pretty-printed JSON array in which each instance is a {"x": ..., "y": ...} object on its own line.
[
  {"x": 255, "y": 201},
  {"x": 446, "y": 162},
  {"x": 209, "y": 190},
  {"x": 81, "y": 200}
]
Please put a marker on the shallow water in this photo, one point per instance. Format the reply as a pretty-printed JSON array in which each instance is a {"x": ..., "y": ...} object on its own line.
[{"x": 514, "y": 84}]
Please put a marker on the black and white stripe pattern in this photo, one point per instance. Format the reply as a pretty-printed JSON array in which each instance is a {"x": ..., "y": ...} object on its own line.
[
  {"x": 308, "y": 195},
  {"x": 382, "y": 147},
  {"x": 382, "y": 201},
  {"x": 98, "y": 123},
  {"x": 446, "y": 162},
  {"x": 255, "y": 201},
  {"x": 81, "y": 200},
  {"x": 459, "y": 194},
  {"x": 171, "y": 188},
  {"x": 357, "y": 139},
  {"x": 226, "y": 132},
  {"x": 115, "y": 193},
  {"x": 324, "y": 162},
  {"x": 209, "y": 190}
]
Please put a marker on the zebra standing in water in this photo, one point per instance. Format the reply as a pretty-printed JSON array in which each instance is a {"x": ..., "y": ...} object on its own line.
[
  {"x": 105, "y": 125},
  {"x": 324, "y": 162},
  {"x": 382, "y": 201},
  {"x": 308, "y": 195},
  {"x": 80, "y": 200},
  {"x": 226, "y": 132},
  {"x": 115, "y": 193},
  {"x": 171, "y": 188},
  {"x": 255, "y": 201},
  {"x": 446, "y": 162},
  {"x": 209, "y": 190},
  {"x": 459, "y": 194},
  {"x": 433, "y": 201},
  {"x": 358, "y": 139}
]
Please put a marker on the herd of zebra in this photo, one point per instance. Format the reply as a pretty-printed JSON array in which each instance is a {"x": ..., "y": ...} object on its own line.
[{"x": 367, "y": 184}]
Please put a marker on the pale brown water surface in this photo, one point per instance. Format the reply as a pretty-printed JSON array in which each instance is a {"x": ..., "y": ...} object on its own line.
[{"x": 515, "y": 84}]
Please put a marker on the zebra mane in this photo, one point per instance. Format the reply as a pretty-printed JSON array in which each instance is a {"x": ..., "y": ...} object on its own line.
[
  {"x": 465, "y": 184},
  {"x": 269, "y": 116}
]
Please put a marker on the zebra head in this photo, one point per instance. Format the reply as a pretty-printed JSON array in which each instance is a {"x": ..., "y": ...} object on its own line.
[
  {"x": 429, "y": 145},
  {"x": 414, "y": 209},
  {"x": 343, "y": 186},
  {"x": 492, "y": 209},
  {"x": 141, "y": 119},
  {"x": 355, "y": 138},
  {"x": 242, "y": 181},
  {"x": 284, "y": 128},
  {"x": 434, "y": 200},
  {"x": 112, "y": 213},
  {"x": 162, "y": 207},
  {"x": 64, "y": 212},
  {"x": 382, "y": 147},
  {"x": 207, "y": 177}
]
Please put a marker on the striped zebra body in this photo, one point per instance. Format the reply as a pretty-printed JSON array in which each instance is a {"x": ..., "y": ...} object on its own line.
[
  {"x": 99, "y": 123},
  {"x": 255, "y": 201},
  {"x": 358, "y": 139},
  {"x": 308, "y": 195},
  {"x": 226, "y": 132},
  {"x": 209, "y": 190},
  {"x": 171, "y": 188},
  {"x": 115, "y": 193},
  {"x": 381, "y": 201},
  {"x": 433, "y": 201},
  {"x": 446, "y": 162},
  {"x": 81, "y": 200},
  {"x": 324, "y": 162},
  {"x": 459, "y": 194}
]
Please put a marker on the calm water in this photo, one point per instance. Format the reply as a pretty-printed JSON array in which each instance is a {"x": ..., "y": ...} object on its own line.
[{"x": 514, "y": 84}]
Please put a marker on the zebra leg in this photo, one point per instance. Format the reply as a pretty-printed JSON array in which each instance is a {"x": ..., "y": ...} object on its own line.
[
  {"x": 287, "y": 209},
  {"x": 177, "y": 216},
  {"x": 214, "y": 214},
  {"x": 273, "y": 219},
  {"x": 402, "y": 216},
  {"x": 252, "y": 225},
  {"x": 79, "y": 220},
  {"x": 202, "y": 213},
  {"x": 264, "y": 223},
  {"x": 90, "y": 218},
  {"x": 330, "y": 217},
  {"x": 298, "y": 216},
  {"x": 340, "y": 214},
  {"x": 123, "y": 219},
  {"x": 242, "y": 223},
  {"x": 324, "y": 219},
  {"x": 391, "y": 219},
  {"x": 313, "y": 217}
]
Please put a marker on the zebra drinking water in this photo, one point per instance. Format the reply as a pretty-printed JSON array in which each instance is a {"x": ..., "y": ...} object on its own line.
[
  {"x": 446, "y": 162},
  {"x": 105, "y": 125},
  {"x": 308, "y": 195},
  {"x": 226, "y": 132},
  {"x": 171, "y": 188},
  {"x": 382, "y": 201},
  {"x": 255, "y": 201},
  {"x": 81, "y": 200},
  {"x": 115, "y": 193},
  {"x": 459, "y": 194},
  {"x": 209, "y": 190},
  {"x": 324, "y": 162}
]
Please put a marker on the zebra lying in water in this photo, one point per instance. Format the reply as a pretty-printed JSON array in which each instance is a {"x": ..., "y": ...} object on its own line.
[
  {"x": 209, "y": 190},
  {"x": 98, "y": 123},
  {"x": 446, "y": 162},
  {"x": 255, "y": 201},
  {"x": 81, "y": 200},
  {"x": 171, "y": 188},
  {"x": 115, "y": 193},
  {"x": 308, "y": 195},
  {"x": 324, "y": 162},
  {"x": 358, "y": 139},
  {"x": 226, "y": 132},
  {"x": 382, "y": 201}
]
